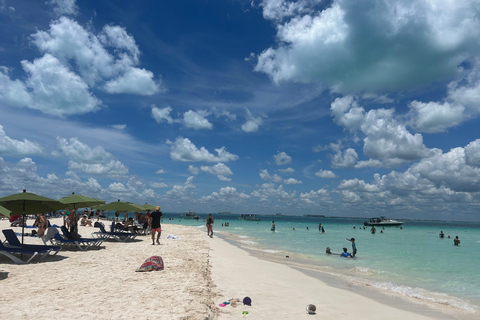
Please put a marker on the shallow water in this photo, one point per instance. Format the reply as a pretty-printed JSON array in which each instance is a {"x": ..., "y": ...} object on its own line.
[{"x": 412, "y": 261}]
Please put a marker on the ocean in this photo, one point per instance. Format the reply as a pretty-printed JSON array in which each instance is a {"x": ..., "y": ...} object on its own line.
[{"x": 412, "y": 261}]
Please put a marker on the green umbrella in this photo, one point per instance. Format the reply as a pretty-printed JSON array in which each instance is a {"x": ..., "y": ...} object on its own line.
[
  {"x": 147, "y": 206},
  {"x": 4, "y": 211},
  {"x": 75, "y": 201},
  {"x": 120, "y": 207},
  {"x": 24, "y": 203}
]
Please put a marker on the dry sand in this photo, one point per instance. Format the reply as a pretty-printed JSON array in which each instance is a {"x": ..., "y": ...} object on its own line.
[{"x": 200, "y": 273}]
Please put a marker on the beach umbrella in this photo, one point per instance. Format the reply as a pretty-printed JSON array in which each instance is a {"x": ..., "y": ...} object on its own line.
[
  {"x": 147, "y": 206},
  {"x": 75, "y": 201},
  {"x": 24, "y": 203},
  {"x": 120, "y": 207},
  {"x": 4, "y": 211}
]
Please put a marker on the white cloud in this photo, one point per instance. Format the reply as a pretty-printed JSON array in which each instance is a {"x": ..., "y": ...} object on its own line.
[
  {"x": 288, "y": 170},
  {"x": 88, "y": 54},
  {"x": 218, "y": 169},
  {"x": 184, "y": 150},
  {"x": 50, "y": 87},
  {"x": 162, "y": 114},
  {"x": 282, "y": 158},
  {"x": 266, "y": 176},
  {"x": 158, "y": 185},
  {"x": 435, "y": 117},
  {"x": 252, "y": 124},
  {"x": 63, "y": 7},
  {"x": 345, "y": 159},
  {"x": 193, "y": 170},
  {"x": 94, "y": 161},
  {"x": 134, "y": 81},
  {"x": 386, "y": 138},
  {"x": 358, "y": 45},
  {"x": 292, "y": 181},
  {"x": 472, "y": 154},
  {"x": 197, "y": 120},
  {"x": 161, "y": 171},
  {"x": 119, "y": 126},
  {"x": 326, "y": 174},
  {"x": 17, "y": 148}
]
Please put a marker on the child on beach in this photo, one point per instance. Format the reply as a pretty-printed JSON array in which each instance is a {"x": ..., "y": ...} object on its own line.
[{"x": 345, "y": 254}]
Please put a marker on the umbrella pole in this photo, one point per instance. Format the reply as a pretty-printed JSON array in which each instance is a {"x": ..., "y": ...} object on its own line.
[{"x": 23, "y": 223}]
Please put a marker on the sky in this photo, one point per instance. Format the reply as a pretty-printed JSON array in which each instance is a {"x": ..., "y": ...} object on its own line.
[{"x": 341, "y": 108}]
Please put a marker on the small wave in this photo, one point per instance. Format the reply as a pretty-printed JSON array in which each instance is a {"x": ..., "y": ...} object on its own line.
[
  {"x": 248, "y": 242},
  {"x": 270, "y": 251},
  {"x": 244, "y": 237}
]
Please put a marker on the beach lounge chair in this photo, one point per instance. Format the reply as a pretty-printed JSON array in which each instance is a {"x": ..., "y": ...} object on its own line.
[
  {"x": 12, "y": 241},
  {"x": 80, "y": 243},
  {"x": 10, "y": 251},
  {"x": 119, "y": 236}
]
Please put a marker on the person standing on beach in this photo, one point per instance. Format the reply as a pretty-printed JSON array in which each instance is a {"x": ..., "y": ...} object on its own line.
[
  {"x": 354, "y": 247},
  {"x": 154, "y": 223},
  {"x": 320, "y": 227},
  {"x": 273, "y": 226},
  {"x": 456, "y": 241},
  {"x": 210, "y": 225}
]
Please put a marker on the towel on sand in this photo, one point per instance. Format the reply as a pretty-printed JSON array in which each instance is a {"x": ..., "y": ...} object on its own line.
[{"x": 152, "y": 263}]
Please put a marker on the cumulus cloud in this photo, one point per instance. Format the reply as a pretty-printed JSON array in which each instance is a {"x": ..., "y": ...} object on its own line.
[
  {"x": 253, "y": 123},
  {"x": 288, "y": 170},
  {"x": 268, "y": 177},
  {"x": 435, "y": 117},
  {"x": 292, "y": 181},
  {"x": 50, "y": 87},
  {"x": 197, "y": 119},
  {"x": 193, "y": 170},
  {"x": 158, "y": 185},
  {"x": 385, "y": 137},
  {"x": 184, "y": 150},
  {"x": 228, "y": 195},
  {"x": 161, "y": 171},
  {"x": 282, "y": 158},
  {"x": 326, "y": 174},
  {"x": 75, "y": 61},
  {"x": 17, "y": 148},
  {"x": 218, "y": 169},
  {"x": 364, "y": 46},
  {"x": 89, "y": 160},
  {"x": 161, "y": 115}
]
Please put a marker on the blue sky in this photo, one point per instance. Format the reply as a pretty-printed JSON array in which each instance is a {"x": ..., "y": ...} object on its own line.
[{"x": 342, "y": 108}]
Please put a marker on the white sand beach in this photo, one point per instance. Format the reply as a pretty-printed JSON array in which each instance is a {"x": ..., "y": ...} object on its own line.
[{"x": 200, "y": 273}]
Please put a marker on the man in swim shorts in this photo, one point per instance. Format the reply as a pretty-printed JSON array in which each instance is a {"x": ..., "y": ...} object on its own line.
[
  {"x": 273, "y": 226},
  {"x": 154, "y": 223}
]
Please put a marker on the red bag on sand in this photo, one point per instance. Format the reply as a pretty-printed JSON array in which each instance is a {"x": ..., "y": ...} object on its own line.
[{"x": 152, "y": 263}]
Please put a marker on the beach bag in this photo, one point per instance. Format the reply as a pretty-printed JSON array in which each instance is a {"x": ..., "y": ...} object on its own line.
[{"x": 154, "y": 263}]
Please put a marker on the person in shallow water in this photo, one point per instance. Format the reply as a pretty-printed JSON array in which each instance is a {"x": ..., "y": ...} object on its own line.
[
  {"x": 456, "y": 241},
  {"x": 345, "y": 254}
]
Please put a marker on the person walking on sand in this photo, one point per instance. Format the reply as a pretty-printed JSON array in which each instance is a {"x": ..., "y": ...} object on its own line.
[
  {"x": 273, "y": 226},
  {"x": 154, "y": 223},
  {"x": 210, "y": 225},
  {"x": 456, "y": 241},
  {"x": 354, "y": 247}
]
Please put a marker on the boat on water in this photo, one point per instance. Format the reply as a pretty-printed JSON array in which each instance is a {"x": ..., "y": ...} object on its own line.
[
  {"x": 190, "y": 215},
  {"x": 382, "y": 221},
  {"x": 249, "y": 217}
]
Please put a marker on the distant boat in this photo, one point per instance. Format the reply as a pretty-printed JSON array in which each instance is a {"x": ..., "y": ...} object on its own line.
[
  {"x": 249, "y": 217},
  {"x": 381, "y": 221},
  {"x": 190, "y": 215}
]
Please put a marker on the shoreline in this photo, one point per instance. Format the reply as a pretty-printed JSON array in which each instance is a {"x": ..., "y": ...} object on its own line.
[
  {"x": 382, "y": 302},
  {"x": 200, "y": 273}
]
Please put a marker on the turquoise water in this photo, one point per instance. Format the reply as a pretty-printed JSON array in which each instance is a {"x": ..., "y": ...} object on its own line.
[{"x": 412, "y": 261}]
